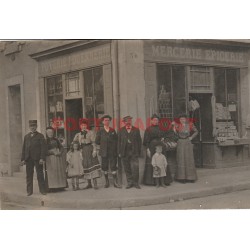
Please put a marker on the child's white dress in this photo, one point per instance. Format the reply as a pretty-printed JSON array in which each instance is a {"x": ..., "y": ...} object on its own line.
[
  {"x": 159, "y": 161},
  {"x": 75, "y": 167}
]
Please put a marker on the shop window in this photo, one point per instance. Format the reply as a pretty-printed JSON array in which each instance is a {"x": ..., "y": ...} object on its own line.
[
  {"x": 200, "y": 78},
  {"x": 55, "y": 106},
  {"x": 226, "y": 107},
  {"x": 72, "y": 84},
  {"x": 171, "y": 91},
  {"x": 94, "y": 93}
]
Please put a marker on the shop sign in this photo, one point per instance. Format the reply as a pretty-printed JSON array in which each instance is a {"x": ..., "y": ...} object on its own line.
[
  {"x": 192, "y": 54},
  {"x": 75, "y": 61}
]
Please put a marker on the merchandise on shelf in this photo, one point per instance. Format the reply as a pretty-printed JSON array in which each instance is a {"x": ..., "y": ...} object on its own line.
[
  {"x": 164, "y": 104},
  {"x": 221, "y": 112}
]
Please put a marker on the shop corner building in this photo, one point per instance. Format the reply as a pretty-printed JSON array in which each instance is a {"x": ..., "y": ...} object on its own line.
[{"x": 72, "y": 79}]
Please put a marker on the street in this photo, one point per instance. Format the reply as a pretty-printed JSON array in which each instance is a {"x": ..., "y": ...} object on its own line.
[{"x": 236, "y": 200}]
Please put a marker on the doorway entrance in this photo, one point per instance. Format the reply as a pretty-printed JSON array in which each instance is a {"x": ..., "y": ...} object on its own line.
[
  {"x": 74, "y": 112},
  {"x": 203, "y": 121},
  {"x": 15, "y": 127}
]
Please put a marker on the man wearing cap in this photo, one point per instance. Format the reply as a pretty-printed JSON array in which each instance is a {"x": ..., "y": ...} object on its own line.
[
  {"x": 107, "y": 139},
  {"x": 129, "y": 149},
  {"x": 33, "y": 155}
]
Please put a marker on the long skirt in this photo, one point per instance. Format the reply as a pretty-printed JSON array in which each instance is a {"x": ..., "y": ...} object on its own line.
[
  {"x": 56, "y": 171},
  {"x": 91, "y": 166},
  {"x": 148, "y": 174},
  {"x": 185, "y": 161}
]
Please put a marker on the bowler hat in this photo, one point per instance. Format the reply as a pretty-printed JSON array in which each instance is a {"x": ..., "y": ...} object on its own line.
[
  {"x": 106, "y": 116},
  {"x": 125, "y": 118},
  {"x": 32, "y": 122},
  {"x": 155, "y": 116}
]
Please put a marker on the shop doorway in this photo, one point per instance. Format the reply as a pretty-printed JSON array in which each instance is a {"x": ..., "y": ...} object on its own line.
[
  {"x": 202, "y": 116},
  {"x": 15, "y": 126},
  {"x": 74, "y": 112}
]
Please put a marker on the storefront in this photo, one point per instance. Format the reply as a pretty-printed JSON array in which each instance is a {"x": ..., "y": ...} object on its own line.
[
  {"x": 208, "y": 82},
  {"x": 74, "y": 83}
]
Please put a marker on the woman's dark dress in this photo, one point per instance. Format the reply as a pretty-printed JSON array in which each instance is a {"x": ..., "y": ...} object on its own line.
[
  {"x": 152, "y": 136},
  {"x": 55, "y": 165},
  {"x": 185, "y": 157}
]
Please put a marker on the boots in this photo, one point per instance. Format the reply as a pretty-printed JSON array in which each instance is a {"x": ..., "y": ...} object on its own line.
[
  {"x": 77, "y": 183},
  {"x": 116, "y": 185},
  {"x": 106, "y": 180},
  {"x": 95, "y": 183},
  {"x": 89, "y": 185},
  {"x": 163, "y": 182},
  {"x": 157, "y": 182}
]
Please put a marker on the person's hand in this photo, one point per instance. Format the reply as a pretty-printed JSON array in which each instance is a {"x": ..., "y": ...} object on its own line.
[
  {"x": 190, "y": 138},
  {"x": 41, "y": 161},
  {"x": 58, "y": 154},
  {"x": 148, "y": 153},
  {"x": 94, "y": 154},
  {"x": 23, "y": 163},
  {"x": 119, "y": 155}
]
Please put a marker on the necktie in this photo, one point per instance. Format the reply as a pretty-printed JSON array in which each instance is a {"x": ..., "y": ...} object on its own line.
[{"x": 84, "y": 133}]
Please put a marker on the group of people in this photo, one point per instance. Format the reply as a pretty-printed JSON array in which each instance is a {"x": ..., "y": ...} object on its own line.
[{"x": 92, "y": 154}]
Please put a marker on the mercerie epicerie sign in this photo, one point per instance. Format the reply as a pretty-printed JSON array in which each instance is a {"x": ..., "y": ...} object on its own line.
[{"x": 177, "y": 53}]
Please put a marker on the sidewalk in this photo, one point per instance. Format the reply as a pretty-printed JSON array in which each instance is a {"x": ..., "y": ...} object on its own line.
[{"x": 211, "y": 182}]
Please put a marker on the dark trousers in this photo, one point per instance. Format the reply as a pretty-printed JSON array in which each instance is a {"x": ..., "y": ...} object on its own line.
[
  {"x": 109, "y": 161},
  {"x": 30, "y": 164},
  {"x": 131, "y": 167}
]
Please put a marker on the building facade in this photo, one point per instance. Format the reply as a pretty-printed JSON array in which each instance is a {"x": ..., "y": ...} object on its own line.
[{"x": 60, "y": 82}]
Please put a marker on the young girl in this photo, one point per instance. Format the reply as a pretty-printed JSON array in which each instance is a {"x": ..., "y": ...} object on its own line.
[
  {"x": 159, "y": 163},
  {"x": 75, "y": 168}
]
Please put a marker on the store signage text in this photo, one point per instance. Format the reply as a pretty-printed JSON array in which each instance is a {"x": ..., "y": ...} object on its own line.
[
  {"x": 186, "y": 53},
  {"x": 77, "y": 60}
]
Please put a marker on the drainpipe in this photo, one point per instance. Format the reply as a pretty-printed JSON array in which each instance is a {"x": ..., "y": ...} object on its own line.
[
  {"x": 115, "y": 77},
  {"x": 116, "y": 95}
]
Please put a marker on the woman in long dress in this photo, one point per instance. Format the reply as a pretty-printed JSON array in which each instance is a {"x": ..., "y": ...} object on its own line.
[
  {"x": 186, "y": 132},
  {"x": 55, "y": 162},
  {"x": 91, "y": 165},
  {"x": 152, "y": 136}
]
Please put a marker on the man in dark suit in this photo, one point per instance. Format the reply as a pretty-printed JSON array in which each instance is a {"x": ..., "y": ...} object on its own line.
[
  {"x": 33, "y": 154},
  {"x": 129, "y": 149},
  {"x": 107, "y": 139}
]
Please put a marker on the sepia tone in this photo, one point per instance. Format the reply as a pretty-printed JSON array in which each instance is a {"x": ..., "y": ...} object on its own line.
[{"x": 60, "y": 82}]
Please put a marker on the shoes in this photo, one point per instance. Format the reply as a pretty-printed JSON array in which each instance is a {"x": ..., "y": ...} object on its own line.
[
  {"x": 29, "y": 194},
  {"x": 43, "y": 193},
  {"x": 137, "y": 186},
  {"x": 89, "y": 185},
  {"x": 106, "y": 181},
  {"x": 129, "y": 186},
  {"x": 116, "y": 185}
]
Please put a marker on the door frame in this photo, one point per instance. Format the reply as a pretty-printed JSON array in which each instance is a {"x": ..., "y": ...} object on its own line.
[{"x": 13, "y": 81}]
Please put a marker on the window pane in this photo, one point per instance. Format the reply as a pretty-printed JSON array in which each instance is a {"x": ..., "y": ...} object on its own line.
[
  {"x": 88, "y": 93},
  {"x": 164, "y": 91},
  {"x": 179, "y": 90},
  {"x": 200, "y": 78},
  {"x": 99, "y": 91},
  {"x": 72, "y": 84},
  {"x": 220, "y": 88}
]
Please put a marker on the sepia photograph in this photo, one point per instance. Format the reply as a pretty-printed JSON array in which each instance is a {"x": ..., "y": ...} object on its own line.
[{"x": 124, "y": 124}]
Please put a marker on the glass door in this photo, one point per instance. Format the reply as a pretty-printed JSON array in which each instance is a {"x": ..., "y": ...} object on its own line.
[{"x": 93, "y": 94}]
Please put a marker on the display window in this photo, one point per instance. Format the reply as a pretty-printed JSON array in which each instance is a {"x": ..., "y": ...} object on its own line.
[{"x": 227, "y": 105}]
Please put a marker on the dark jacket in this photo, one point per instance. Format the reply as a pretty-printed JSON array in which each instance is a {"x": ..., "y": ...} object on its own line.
[
  {"x": 34, "y": 147},
  {"x": 136, "y": 141},
  {"x": 107, "y": 142}
]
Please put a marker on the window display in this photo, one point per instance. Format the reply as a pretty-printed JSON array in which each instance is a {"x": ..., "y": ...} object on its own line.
[{"x": 55, "y": 106}]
